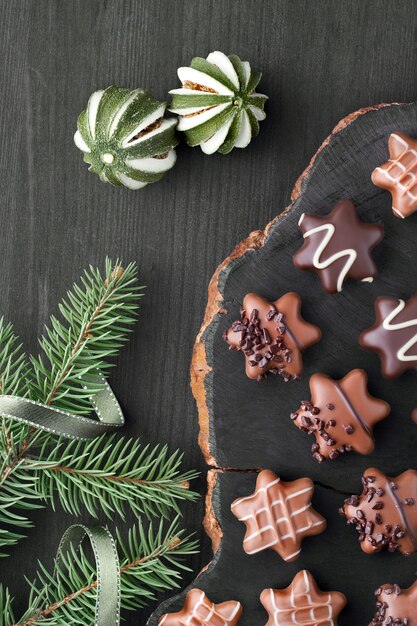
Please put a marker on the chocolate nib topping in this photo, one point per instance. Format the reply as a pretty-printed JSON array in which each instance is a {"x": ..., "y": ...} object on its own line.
[
  {"x": 344, "y": 417},
  {"x": 272, "y": 336},
  {"x": 392, "y": 601},
  {"x": 383, "y": 519},
  {"x": 269, "y": 354}
]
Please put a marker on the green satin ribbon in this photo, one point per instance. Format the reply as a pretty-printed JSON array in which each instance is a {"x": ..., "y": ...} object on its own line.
[
  {"x": 107, "y": 611},
  {"x": 62, "y": 423}
]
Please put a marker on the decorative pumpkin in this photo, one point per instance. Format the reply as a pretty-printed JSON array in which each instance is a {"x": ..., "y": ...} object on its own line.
[
  {"x": 125, "y": 138},
  {"x": 218, "y": 106}
]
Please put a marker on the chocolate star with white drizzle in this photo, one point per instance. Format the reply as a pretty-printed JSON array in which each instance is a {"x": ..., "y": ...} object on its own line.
[
  {"x": 278, "y": 515},
  {"x": 341, "y": 415},
  {"x": 394, "y": 335},
  {"x": 399, "y": 174},
  {"x": 385, "y": 514},
  {"x": 337, "y": 246},
  {"x": 272, "y": 336},
  {"x": 198, "y": 610},
  {"x": 302, "y": 603},
  {"x": 396, "y": 606}
]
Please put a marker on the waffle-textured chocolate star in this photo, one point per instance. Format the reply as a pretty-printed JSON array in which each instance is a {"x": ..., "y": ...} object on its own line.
[
  {"x": 399, "y": 174},
  {"x": 278, "y": 515},
  {"x": 272, "y": 336},
  {"x": 198, "y": 610},
  {"x": 394, "y": 335},
  {"x": 385, "y": 515},
  {"x": 338, "y": 246},
  {"x": 302, "y": 603},
  {"x": 341, "y": 415},
  {"x": 395, "y": 606}
]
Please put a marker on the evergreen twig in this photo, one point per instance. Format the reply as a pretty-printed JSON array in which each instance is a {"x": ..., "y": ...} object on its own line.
[
  {"x": 151, "y": 562},
  {"x": 105, "y": 474}
]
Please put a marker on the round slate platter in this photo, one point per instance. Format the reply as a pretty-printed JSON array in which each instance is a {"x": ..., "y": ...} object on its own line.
[{"x": 245, "y": 425}]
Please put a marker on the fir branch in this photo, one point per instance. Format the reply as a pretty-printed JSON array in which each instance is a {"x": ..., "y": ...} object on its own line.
[
  {"x": 97, "y": 317},
  {"x": 13, "y": 381},
  {"x": 109, "y": 474},
  {"x": 150, "y": 562},
  {"x": 13, "y": 365},
  {"x": 6, "y": 611}
]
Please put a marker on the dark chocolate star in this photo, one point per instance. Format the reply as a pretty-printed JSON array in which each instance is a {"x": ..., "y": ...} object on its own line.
[
  {"x": 396, "y": 606},
  {"x": 394, "y": 335},
  {"x": 341, "y": 415},
  {"x": 272, "y": 336},
  {"x": 399, "y": 174},
  {"x": 337, "y": 246}
]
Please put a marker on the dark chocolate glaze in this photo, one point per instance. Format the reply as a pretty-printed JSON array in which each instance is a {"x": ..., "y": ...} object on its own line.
[
  {"x": 338, "y": 246},
  {"x": 394, "y": 335}
]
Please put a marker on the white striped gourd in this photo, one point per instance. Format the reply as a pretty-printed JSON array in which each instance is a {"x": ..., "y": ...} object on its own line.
[
  {"x": 218, "y": 106},
  {"x": 125, "y": 138}
]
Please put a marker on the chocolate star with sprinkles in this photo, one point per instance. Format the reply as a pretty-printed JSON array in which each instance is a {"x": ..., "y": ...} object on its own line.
[
  {"x": 278, "y": 515},
  {"x": 385, "y": 515},
  {"x": 338, "y": 246},
  {"x": 395, "y": 606},
  {"x": 394, "y": 335},
  {"x": 198, "y": 610},
  {"x": 302, "y": 603},
  {"x": 272, "y": 336},
  {"x": 399, "y": 174},
  {"x": 341, "y": 415}
]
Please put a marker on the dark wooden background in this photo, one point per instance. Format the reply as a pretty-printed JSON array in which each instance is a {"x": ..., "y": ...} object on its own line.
[{"x": 321, "y": 60}]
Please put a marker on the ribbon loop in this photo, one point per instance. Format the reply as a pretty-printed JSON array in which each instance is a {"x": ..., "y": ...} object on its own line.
[
  {"x": 62, "y": 423},
  {"x": 107, "y": 611}
]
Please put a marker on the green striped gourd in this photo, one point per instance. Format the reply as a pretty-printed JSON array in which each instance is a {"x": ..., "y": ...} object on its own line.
[
  {"x": 125, "y": 138},
  {"x": 218, "y": 106}
]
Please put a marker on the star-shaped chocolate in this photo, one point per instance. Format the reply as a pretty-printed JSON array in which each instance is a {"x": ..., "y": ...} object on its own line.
[
  {"x": 394, "y": 335},
  {"x": 272, "y": 336},
  {"x": 385, "y": 514},
  {"x": 395, "y": 606},
  {"x": 399, "y": 174},
  {"x": 338, "y": 246},
  {"x": 278, "y": 515},
  {"x": 198, "y": 610},
  {"x": 302, "y": 603},
  {"x": 341, "y": 415}
]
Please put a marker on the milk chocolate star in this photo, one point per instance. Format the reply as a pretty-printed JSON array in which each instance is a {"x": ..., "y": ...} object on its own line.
[
  {"x": 399, "y": 174},
  {"x": 385, "y": 515},
  {"x": 395, "y": 606},
  {"x": 341, "y": 415},
  {"x": 272, "y": 336},
  {"x": 393, "y": 335},
  {"x": 278, "y": 515},
  {"x": 302, "y": 603},
  {"x": 338, "y": 246},
  {"x": 198, "y": 610}
]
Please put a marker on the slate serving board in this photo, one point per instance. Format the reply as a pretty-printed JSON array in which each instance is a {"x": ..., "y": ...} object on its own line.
[{"x": 245, "y": 425}]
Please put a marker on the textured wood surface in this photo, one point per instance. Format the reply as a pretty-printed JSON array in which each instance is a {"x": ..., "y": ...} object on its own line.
[{"x": 321, "y": 60}]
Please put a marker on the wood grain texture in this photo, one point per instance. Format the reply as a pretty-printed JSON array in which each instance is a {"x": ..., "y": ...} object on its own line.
[{"x": 321, "y": 60}]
